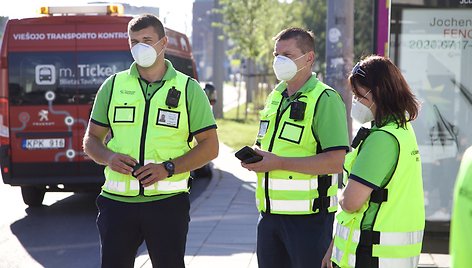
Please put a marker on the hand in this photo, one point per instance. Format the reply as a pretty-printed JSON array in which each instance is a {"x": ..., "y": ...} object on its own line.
[
  {"x": 121, "y": 163},
  {"x": 150, "y": 174},
  {"x": 326, "y": 262},
  {"x": 269, "y": 162}
]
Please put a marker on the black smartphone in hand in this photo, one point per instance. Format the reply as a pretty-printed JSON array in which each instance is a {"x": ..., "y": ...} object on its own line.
[
  {"x": 135, "y": 168},
  {"x": 247, "y": 155}
]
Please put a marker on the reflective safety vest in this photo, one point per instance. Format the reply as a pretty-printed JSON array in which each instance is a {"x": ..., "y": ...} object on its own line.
[
  {"x": 290, "y": 192},
  {"x": 388, "y": 230},
  {"x": 460, "y": 240},
  {"x": 149, "y": 131}
]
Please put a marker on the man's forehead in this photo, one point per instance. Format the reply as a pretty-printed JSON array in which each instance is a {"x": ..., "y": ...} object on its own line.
[
  {"x": 146, "y": 33},
  {"x": 289, "y": 45}
]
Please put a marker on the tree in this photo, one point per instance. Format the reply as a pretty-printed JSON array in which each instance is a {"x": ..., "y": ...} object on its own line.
[
  {"x": 250, "y": 25},
  {"x": 312, "y": 14},
  {"x": 363, "y": 28}
]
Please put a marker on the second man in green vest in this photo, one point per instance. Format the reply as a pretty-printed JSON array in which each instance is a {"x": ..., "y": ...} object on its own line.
[{"x": 303, "y": 139}]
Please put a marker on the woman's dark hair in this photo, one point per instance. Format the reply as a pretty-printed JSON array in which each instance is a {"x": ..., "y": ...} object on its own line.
[
  {"x": 391, "y": 94},
  {"x": 143, "y": 21}
]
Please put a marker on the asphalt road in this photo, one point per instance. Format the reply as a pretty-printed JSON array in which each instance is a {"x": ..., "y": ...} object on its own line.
[{"x": 61, "y": 233}]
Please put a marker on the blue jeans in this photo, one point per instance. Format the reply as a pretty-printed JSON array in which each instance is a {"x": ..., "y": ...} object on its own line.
[{"x": 293, "y": 241}]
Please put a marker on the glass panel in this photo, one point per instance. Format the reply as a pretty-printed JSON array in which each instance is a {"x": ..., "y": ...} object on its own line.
[
  {"x": 73, "y": 77},
  {"x": 94, "y": 67},
  {"x": 434, "y": 52}
]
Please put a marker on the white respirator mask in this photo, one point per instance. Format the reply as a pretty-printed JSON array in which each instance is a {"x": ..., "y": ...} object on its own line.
[
  {"x": 285, "y": 68},
  {"x": 360, "y": 112},
  {"x": 145, "y": 55}
]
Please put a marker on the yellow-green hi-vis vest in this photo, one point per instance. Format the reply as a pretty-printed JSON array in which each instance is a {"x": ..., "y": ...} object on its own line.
[
  {"x": 289, "y": 192},
  {"x": 148, "y": 130},
  {"x": 387, "y": 232}
]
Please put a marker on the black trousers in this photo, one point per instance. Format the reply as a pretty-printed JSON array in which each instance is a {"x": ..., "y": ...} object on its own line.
[
  {"x": 293, "y": 241},
  {"x": 162, "y": 224}
]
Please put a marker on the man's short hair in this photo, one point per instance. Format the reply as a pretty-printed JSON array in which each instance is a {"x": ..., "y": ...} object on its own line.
[
  {"x": 143, "y": 21},
  {"x": 305, "y": 39}
]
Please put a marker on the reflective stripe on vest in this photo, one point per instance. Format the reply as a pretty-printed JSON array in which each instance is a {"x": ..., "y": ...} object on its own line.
[
  {"x": 386, "y": 238},
  {"x": 296, "y": 185},
  {"x": 411, "y": 262},
  {"x": 338, "y": 255},
  {"x": 298, "y": 205},
  {"x": 161, "y": 186},
  {"x": 120, "y": 187}
]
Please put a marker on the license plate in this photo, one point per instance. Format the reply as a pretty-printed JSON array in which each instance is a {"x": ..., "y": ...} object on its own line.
[{"x": 32, "y": 144}]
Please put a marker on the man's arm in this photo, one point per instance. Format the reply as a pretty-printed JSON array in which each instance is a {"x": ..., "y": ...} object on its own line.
[
  {"x": 95, "y": 148},
  {"x": 329, "y": 162},
  {"x": 206, "y": 150}
]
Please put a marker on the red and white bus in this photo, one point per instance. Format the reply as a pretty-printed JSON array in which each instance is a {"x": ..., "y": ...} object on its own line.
[{"x": 50, "y": 70}]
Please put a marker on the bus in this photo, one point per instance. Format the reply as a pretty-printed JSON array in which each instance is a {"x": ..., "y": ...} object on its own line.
[{"x": 51, "y": 67}]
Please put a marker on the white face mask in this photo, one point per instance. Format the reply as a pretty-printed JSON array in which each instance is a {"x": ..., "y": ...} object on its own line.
[
  {"x": 285, "y": 68},
  {"x": 145, "y": 55},
  {"x": 360, "y": 112}
]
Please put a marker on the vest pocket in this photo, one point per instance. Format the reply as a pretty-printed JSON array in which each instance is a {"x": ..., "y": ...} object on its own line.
[
  {"x": 291, "y": 132},
  {"x": 124, "y": 114}
]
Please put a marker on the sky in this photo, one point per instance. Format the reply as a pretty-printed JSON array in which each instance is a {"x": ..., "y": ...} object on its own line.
[{"x": 177, "y": 14}]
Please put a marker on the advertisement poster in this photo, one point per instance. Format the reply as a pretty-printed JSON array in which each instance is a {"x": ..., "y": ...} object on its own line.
[{"x": 435, "y": 55}]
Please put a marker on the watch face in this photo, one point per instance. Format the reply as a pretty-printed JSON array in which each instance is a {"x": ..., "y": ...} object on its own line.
[{"x": 169, "y": 167}]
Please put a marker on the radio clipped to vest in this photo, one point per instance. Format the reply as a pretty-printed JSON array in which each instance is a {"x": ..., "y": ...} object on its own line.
[
  {"x": 361, "y": 135},
  {"x": 297, "y": 110},
  {"x": 173, "y": 96}
]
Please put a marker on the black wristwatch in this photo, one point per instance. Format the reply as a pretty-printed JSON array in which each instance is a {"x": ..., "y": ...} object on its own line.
[{"x": 170, "y": 167}]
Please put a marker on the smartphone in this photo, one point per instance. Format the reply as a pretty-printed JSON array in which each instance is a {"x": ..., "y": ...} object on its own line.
[
  {"x": 136, "y": 167},
  {"x": 247, "y": 155}
]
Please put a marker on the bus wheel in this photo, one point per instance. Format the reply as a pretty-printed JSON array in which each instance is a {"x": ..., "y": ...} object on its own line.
[{"x": 32, "y": 196}]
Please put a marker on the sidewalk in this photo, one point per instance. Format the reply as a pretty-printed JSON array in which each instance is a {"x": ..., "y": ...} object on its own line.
[{"x": 223, "y": 222}]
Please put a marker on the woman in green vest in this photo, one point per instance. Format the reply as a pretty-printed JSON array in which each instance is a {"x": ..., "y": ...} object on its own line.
[{"x": 382, "y": 219}]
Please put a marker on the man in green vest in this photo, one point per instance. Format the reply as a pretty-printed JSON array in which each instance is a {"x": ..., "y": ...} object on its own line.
[
  {"x": 152, "y": 114},
  {"x": 461, "y": 237},
  {"x": 303, "y": 139}
]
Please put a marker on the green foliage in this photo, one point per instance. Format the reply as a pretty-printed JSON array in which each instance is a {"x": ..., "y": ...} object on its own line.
[
  {"x": 363, "y": 28},
  {"x": 236, "y": 132},
  {"x": 251, "y": 24},
  {"x": 312, "y": 14}
]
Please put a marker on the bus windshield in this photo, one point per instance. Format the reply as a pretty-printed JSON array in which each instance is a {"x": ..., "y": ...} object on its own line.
[{"x": 73, "y": 77}]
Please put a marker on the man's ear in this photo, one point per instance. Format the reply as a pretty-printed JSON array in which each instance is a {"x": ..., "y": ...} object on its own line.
[
  {"x": 166, "y": 39},
  {"x": 311, "y": 57}
]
